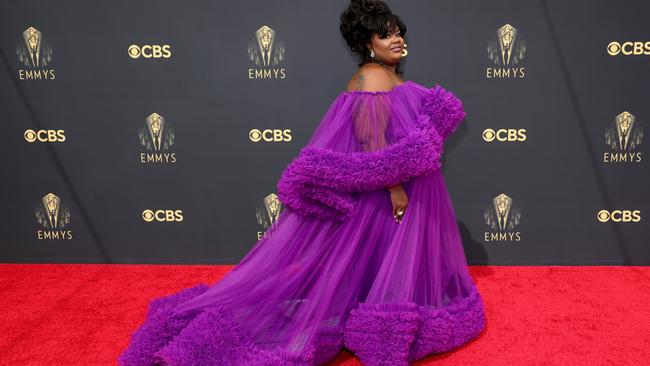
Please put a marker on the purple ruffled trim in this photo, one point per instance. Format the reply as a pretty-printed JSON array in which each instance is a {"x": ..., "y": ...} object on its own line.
[
  {"x": 211, "y": 336},
  {"x": 320, "y": 181},
  {"x": 396, "y": 334},
  {"x": 159, "y": 329},
  {"x": 379, "y": 334},
  {"x": 445, "y": 110}
]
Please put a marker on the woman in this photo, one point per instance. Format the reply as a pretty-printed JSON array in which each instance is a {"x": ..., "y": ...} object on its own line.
[{"x": 366, "y": 254}]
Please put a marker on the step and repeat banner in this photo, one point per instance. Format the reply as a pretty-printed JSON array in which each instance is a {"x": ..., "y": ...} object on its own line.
[{"x": 156, "y": 131}]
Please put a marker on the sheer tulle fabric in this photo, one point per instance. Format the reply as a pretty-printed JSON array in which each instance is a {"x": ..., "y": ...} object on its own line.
[{"x": 391, "y": 293}]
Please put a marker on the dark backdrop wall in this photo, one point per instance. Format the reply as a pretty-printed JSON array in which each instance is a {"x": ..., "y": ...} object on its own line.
[{"x": 156, "y": 131}]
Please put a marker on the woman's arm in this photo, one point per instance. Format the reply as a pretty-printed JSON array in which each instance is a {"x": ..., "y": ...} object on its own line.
[
  {"x": 372, "y": 118},
  {"x": 396, "y": 187}
]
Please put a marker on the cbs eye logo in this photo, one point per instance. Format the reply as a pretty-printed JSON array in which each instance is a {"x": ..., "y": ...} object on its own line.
[
  {"x": 44, "y": 135},
  {"x": 269, "y": 135},
  {"x": 162, "y": 215},
  {"x": 150, "y": 51},
  {"x": 504, "y": 135},
  {"x": 619, "y": 215},
  {"x": 628, "y": 48}
]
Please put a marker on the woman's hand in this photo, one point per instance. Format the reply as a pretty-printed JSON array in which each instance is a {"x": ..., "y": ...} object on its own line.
[{"x": 400, "y": 200}]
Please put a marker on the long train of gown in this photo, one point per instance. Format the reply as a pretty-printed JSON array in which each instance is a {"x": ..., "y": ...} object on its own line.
[{"x": 390, "y": 292}]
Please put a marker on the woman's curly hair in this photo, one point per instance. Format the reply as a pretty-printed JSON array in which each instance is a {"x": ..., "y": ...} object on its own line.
[{"x": 361, "y": 19}]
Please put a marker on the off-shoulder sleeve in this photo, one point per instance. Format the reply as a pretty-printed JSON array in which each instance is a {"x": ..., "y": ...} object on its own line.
[
  {"x": 371, "y": 116},
  {"x": 321, "y": 180}
]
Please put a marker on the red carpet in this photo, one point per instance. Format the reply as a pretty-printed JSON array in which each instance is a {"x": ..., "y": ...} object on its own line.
[{"x": 84, "y": 314}]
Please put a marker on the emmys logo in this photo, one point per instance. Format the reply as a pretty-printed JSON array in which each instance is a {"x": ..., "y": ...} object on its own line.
[
  {"x": 623, "y": 136},
  {"x": 628, "y": 48},
  {"x": 270, "y": 135},
  {"x": 504, "y": 135},
  {"x": 34, "y": 54},
  {"x": 44, "y": 135},
  {"x": 502, "y": 216},
  {"x": 157, "y": 136},
  {"x": 506, "y": 50},
  {"x": 268, "y": 213},
  {"x": 150, "y": 51},
  {"x": 619, "y": 215},
  {"x": 52, "y": 216},
  {"x": 162, "y": 215},
  {"x": 266, "y": 54}
]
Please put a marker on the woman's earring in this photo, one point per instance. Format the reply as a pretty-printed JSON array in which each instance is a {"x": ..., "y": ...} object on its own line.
[
  {"x": 372, "y": 53},
  {"x": 404, "y": 51}
]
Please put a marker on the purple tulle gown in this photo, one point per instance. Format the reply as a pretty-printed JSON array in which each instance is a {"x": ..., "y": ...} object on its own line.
[{"x": 336, "y": 270}]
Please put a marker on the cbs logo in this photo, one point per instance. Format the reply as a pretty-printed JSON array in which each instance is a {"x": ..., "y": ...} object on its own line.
[
  {"x": 45, "y": 135},
  {"x": 269, "y": 135},
  {"x": 150, "y": 51},
  {"x": 628, "y": 48},
  {"x": 162, "y": 215},
  {"x": 504, "y": 134},
  {"x": 619, "y": 216}
]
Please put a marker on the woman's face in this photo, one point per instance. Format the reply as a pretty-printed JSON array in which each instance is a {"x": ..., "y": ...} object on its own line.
[{"x": 389, "y": 48}]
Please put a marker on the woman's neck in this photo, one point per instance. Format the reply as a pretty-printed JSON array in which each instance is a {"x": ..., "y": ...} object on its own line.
[{"x": 390, "y": 68}]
